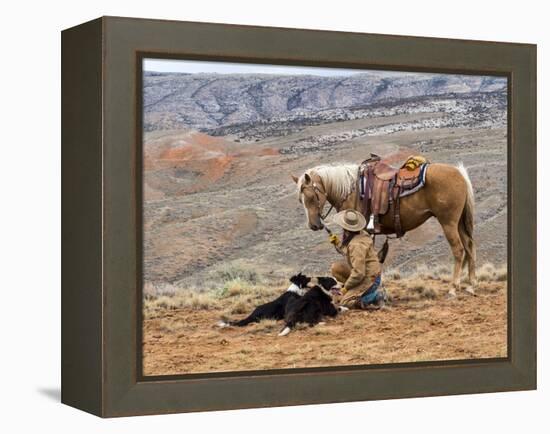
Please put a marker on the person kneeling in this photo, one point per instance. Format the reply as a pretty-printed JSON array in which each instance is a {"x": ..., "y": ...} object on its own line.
[{"x": 360, "y": 273}]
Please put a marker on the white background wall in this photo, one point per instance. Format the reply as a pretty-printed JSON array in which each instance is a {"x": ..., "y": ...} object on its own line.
[{"x": 30, "y": 215}]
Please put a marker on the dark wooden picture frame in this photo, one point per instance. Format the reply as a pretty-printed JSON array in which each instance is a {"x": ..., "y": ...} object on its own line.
[{"x": 101, "y": 218}]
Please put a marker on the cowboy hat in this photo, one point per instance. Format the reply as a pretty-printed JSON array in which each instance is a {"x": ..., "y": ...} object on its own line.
[{"x": 350, "y": 220}]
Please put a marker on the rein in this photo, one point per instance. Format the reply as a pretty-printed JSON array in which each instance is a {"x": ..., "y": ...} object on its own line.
[
  {"x": 323, "y": 217},
  {"x": 383, "y": 252},
  {"x": 317, "y": 191}
]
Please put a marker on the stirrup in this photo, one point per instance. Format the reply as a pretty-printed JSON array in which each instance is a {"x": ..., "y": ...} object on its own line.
[{"x": 370, "y": 225}]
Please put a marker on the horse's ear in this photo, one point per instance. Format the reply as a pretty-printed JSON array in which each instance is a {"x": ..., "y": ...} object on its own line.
[
  {"x": 307, "y": 178},
  {"x": 294, "y": 178}
]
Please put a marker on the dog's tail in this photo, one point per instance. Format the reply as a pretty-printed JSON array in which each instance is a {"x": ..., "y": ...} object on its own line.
[
  {"x": 223, "y": 324},
  {"x": 241, "y": 323}
]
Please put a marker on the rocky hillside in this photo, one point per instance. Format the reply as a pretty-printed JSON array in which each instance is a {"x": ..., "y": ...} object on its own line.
[
  {"x": 219, "y": 151},
  {"x": 214, "y": 102}
]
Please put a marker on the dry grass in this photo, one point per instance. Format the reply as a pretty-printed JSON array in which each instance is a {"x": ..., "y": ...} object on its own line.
[
  {"x": 423, "y": 272},
  {"x": 236, "y": 271},
  {"x": 193, "y": 301},
  {"x": 392, "y": 274},
  {"x": 265, "y": 326},
  {"x": 417, "y": 289},
  {"x": 240, "y": 290},
  {"x": 423, "y": 291},
  {"x": 489, "y": 272},
  {"x": 180, "y": 333},
  {"x": 237, "y": 296}
]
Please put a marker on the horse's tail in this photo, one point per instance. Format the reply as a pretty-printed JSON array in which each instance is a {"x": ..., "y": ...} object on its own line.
[{"x": 466, "y": 223}]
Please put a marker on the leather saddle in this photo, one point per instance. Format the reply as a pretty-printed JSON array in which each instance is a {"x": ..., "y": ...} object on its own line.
[{"x": 382, "y": 185}]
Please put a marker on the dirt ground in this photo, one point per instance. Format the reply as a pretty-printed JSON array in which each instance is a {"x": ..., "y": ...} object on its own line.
[{"x": 419, "y": 324}]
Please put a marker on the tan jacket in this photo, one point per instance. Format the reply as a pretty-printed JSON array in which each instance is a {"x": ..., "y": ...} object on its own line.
[{"x": 363, "y": 261}]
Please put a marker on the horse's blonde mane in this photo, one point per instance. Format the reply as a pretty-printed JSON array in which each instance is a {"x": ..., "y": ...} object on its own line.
[{"x": 338, "y": 179}]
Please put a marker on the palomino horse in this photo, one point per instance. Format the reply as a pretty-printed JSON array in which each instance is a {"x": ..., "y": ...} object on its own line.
[{"x": 447, "y": 195}]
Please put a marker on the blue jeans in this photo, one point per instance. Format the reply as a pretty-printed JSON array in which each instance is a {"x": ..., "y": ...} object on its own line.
[{"x": 371, "y": 295}]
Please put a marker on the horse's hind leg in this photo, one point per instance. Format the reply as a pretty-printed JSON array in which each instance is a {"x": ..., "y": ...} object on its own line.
[
  {"x": 472, "y": 266},
  {"x": 453, "y": 237},
  {"x": 471, "y": 258}
]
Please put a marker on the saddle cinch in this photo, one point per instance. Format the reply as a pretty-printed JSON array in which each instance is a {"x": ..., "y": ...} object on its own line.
[{"x": 382, "y": 186}]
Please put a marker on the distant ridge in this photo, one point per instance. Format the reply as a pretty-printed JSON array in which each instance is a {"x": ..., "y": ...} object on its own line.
[{"x": 206, "y": 101}]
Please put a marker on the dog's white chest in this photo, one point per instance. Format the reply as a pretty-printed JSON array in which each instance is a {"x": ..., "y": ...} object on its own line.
[{"x": 296, "y": 289}]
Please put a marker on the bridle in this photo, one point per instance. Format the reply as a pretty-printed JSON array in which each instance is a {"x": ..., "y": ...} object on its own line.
[{"x": 318, "y": 191}]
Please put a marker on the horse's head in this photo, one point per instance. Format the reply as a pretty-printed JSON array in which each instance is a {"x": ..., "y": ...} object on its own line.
[{"x": 312, "y": 196}]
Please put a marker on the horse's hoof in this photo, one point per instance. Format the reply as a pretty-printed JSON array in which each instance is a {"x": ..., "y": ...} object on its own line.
[
  {"x": 470, "y": 290},
  {"x": 343, "y": 309},
  {"x": 223, "y": 324},
  {"x": 322, "y": 323}
]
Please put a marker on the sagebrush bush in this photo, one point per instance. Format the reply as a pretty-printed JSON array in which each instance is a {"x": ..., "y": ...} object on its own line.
[
  {"x": 191, "y": 300},
  {"x": 422, "y": 291},
  {"x": 437, "y": 272},
  {"x": 392, "y": 274},
  {"x": 234, "y": 271},
  {"x": 239, "y": 307},
  {"x": 234, "y": 287},
  {"x": 488, "y": 272},
  {"x": 501, "y": 274}
]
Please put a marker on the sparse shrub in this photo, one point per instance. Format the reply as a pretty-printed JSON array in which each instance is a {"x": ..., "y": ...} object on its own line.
[
  {"x": 320, "y": 331},
  {"x": 234, "y": 287},
  {"x": 446, "y": 277},
  {"x": 423, "y": 291},
  {"x": 171, "y": 327},
  {"x": 162, "y": 302},
  {"x": 234, "y": 271},
  {"x": 422, "y": 272},
  {"x": 159, "y": 289},
  {"x": 199, "y": 301},
  {"x": 488, "y": 272},
  {"x": 190, "y": 300},
  {"x": 441, "y": 272},
  {"x": 236, "y": 296},
  {"x": 436, "y": 272},
  {"x": 501, "y": 274},
  {"x": 266, "y": 326},
  {"x": 429, "y": 293},
  {"x": 417, "y": 287},
  {"x": 433, "y": 272},
  {"x": 149, "y": 289},
  {"x": 239, "y": 307},
  {"x": 392, "y": 274}
]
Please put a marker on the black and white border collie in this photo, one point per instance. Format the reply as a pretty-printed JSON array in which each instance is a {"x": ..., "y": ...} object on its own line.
[
  {"x": 277, "y": 308},
  {"x": 310, "y": 309}
]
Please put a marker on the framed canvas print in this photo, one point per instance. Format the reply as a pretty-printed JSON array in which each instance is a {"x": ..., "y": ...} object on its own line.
[{"x": 260, "y": 216}]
